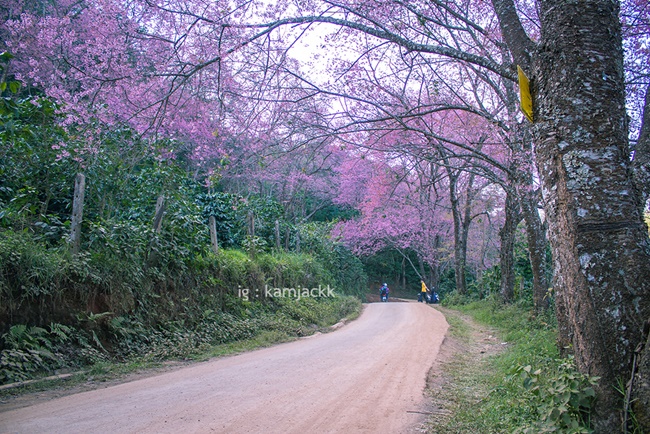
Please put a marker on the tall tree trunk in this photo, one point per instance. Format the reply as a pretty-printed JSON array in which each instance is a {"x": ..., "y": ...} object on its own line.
[
  {"x": 537, "y": 244},
  {"x": 507, "y": 236},
  {"x": 460, "y": 239},
  {"x": 529, "y": 199},
  {"x": 462, "y": 215},
  {"x": 598, "y": 238},
  {"x": 423, "y": 274},
  {"x": 77, "y": 212},
  {"x": 599, "y": 241},
  {"x": 435, "y": 268},
  {"x": 642, "y": 155}
]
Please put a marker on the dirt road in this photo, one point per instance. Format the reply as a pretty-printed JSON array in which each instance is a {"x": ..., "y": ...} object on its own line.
[{"x": 366, "y": 377}]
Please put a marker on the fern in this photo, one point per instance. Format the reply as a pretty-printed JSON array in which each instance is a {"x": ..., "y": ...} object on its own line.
[{"x": 60, "y": 332}]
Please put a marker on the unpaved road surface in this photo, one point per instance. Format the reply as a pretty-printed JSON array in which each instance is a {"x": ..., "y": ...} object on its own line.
[{"x": 367, "y": 377}]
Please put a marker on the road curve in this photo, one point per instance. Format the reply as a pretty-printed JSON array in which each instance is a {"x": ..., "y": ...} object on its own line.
[{"x": 367, "y": 377}]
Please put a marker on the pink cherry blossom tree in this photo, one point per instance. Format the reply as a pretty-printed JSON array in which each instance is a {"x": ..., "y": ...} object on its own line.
[{"x": 412, "y": 67}]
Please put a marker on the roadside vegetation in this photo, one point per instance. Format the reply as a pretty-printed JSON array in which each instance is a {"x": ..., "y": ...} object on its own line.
[
  {"x": 507, "y": 374},
  {"x": 118, "y": 345},
  {"x": 146, "y": 282}
]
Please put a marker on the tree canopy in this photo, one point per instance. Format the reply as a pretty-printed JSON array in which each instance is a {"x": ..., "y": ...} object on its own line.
[{"x": 401, "y": 117}]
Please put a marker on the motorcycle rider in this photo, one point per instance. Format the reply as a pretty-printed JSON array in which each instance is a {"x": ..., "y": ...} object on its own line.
[{"x": 384, "y": 291}]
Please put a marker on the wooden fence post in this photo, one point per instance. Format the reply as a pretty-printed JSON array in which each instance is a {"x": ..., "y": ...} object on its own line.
[
  {"x": 160, "y": 210},
  {"x": 77, "y": 212},
  {"x": 277, "y": 235},
  {"x": 251, "y": 224},
  {"x": 152, "y": 255},
  {"x": 213, "y": 233},
  {"x": 287, "y": 239}
]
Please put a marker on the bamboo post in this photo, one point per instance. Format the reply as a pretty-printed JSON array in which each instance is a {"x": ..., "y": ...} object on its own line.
[{"x": 77, "y": 212}]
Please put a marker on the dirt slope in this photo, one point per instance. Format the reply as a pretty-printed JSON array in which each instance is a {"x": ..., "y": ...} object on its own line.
[{"x": 367, "y": 377}]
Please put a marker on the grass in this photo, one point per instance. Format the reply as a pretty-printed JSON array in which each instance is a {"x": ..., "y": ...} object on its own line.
[
  {"x": 479, "y": 388},
  {"x": 458, "y": 328}
]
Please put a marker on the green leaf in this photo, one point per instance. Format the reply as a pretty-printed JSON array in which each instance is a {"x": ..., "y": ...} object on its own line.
[
  {"x": 555, "y": 414},
  {"x": 14, "y": 86},
  {"x": 5, "y": 55}
]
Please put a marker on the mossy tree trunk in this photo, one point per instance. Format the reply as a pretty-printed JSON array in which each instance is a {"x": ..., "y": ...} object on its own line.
[{"x": 596, "y": 230}]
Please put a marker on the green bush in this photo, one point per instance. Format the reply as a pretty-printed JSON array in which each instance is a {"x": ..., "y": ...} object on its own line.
[
  {"x": 179, "y": 339},
  {"x": 292, "y": 270},
  {"x": 29, "y": 273},
  {"x": 456, "y": 299},
  {"x": 29, "y": 350},
  {"x": 513, "y": 396},
  {"x": 345, "y": 269},
  {"x": 561, "y": 401},
  {"x": 154, "y": 313}
]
